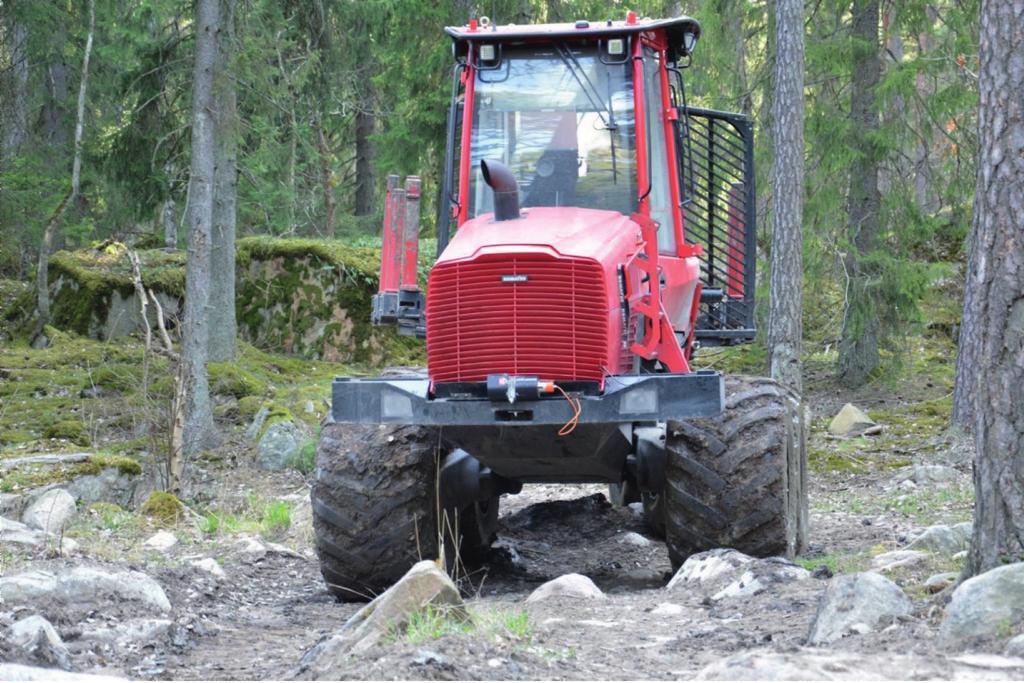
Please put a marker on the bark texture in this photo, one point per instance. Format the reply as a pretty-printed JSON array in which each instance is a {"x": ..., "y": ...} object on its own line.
[
  {"x": 198, "y": 429},
  {"x": 785, "y": 311},
  {"x": 998, "y": 247},
  {"x": 223, "y": 325},
  {"x": 53, "y": 225},
  {"x": 15, "y": 116},
  {"x": 858, "y": 347}
]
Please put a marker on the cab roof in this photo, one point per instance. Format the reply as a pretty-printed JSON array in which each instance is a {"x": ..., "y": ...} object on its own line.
[{"x": 509, "y": 33}]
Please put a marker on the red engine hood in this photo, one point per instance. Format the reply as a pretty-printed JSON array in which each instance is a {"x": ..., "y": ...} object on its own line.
[{"x": 605, "y": 236}]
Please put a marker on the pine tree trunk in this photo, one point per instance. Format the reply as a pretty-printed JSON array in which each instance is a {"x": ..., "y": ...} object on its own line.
[
  {"x": 53, "y": 224},
  {"x": 785, "y": 314},
  {"x": 365, "y": 202},
  {"x": 326, "y": 176},
  {"x": 858, "y": 347},
  {"x": 998, "y": 245},
  {"x": 223, "y": 326},
  {"x": 198, "y": 430},
  {"x": 15, "y": 94},
  {"x": 169, "y": 221}
]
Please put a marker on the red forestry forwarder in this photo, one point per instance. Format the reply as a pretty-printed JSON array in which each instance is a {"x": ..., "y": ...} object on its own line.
[{"x": 605, "y": 231}]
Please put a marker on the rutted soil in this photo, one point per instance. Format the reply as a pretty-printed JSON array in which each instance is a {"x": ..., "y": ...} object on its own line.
[{"x": 258, "y": 621}]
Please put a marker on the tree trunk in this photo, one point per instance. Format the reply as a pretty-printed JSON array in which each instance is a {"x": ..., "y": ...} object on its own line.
[
  {"x": 169, "y": 220},
  {"x": 785, "y": 313},
  {"x": 999, "y": 215},
  {"x": 223, "y": 326},
  {"x": 858, "y": 347},
  {"x": 54, "y": 113},
  {"x": 198, "y": 431},
  {"x": 15, "y": 116},
  {"x": 968, "y": 334},
  {"x": 365, "y": 202},
  {"x": 53, "y": 225},
  {"x": 326, "y": 176}
]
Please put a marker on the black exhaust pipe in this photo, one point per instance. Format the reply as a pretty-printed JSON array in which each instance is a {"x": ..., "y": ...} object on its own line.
[{"x": 506, "y": 189}]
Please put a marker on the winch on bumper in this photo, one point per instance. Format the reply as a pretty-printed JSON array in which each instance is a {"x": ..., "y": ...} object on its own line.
[{"x": 632, "y": 398}]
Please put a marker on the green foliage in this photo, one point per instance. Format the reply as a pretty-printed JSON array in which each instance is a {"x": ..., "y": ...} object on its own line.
[{"x": 304, "y": 459}]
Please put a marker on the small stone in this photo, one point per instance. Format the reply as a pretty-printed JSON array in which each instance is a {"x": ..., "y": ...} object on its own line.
[
  {"x": 897, "y": 559},
  {"x": 429, "y": 658},
  {"x": 210, "y": 566},
  {"x": 637, "y": 509},
  {"x": 40, "y": 642},
  {"x": 907, "y": 485},
  {"x": 635, "y": 539},
  {"x": 850, "y": 421},
  {"x": 251, "y": 549},
  {"x": 50, "y": 512},
  {"x": 962, "y": 555},
  {"x": 668, "y": 609},
  {"x": 851, "y": 599},
  {"x": 494, "y": 662},
  {"x": 566, "y": 586},
  {"x": 1015, "y": 647},
  {"x": 726, "y": 573},
  {"x": 933, "y": 474},
  {"x": 162, "y": 540},
  {"x": 940, "y": 582},
  {"x": 309, "y": 408}
]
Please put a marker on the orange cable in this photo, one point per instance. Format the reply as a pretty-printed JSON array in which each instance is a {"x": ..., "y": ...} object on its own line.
[{"x": 577, "y": 407}]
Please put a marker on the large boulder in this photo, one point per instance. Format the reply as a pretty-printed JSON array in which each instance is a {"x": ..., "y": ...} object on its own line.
[
  {"x": 15, "y": 534},
  {"x": 726, "y": 573},
  {"x": 986, "y": 605},
  {"x": 850, "y": 421},
  {"x": 944, "y": 540},
  {"x": 932, "y": 474},
  {"x": 85, "y": 586},
  {"x": 424, "y": 586},
  {"x": 856, "y": 603},
  {"x": 50, "y": 512},
  {"x": 575, "y": 586}
]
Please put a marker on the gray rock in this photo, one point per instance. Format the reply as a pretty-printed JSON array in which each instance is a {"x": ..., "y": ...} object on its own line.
[
  {"x": 18, "y": 672},
  {"x": 12, "y": 505},
  {"x": 897, "y": 559},
  {"x": 668, "y": 609},
  {"x": 726, "y": 573},
  {"x": 940, "y": 582},
  {"x": 210, "y": 566},
  {"x": 1015, "y": 647},
  {"x": 852, "y": 599},
  {"x": 933, "y": 474},
  {"x": 985, "y": 605},
  {"x": 37, "y": 638},
  {"x": 943, "y": 540},
  {"x": 253, "y": 430},
  {"x": 574, "y": 586},
  {"x": 424, "y": 585},
  {"x": 135, "y": 631},
  {"x": 17, "y": 534},
  {"x": 850, "y": 421},
  {"x": 84, "y": 586},
  {"x": 51, "y": 511},
  {"x": 162, "y": 540},
  {"x": 278, "y": 445},
  {"x": 110, "y": 485},
  {"x": 836, "y": 665},
  {"x": 634, "y": 539}
]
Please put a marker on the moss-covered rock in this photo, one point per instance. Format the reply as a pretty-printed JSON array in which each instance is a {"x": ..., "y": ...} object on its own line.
[
  {"x": 163, "y": 508},
  {"x": 69, "y": 430},
  {"x": 231, "y": 379},
  {"x": 310, "y": 298}
]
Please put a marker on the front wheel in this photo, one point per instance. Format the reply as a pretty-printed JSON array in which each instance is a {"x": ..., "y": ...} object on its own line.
[{"x": 738, "y": 480}]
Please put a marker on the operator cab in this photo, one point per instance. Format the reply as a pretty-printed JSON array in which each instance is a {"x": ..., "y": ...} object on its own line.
[{"x": 558, "y": 104}]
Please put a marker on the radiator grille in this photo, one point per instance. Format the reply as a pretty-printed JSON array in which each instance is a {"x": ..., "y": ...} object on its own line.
[{"x": 553, "y": 324}]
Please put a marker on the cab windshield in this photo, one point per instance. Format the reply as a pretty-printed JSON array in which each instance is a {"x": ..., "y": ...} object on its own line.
[{"x": 562, "y": 119}]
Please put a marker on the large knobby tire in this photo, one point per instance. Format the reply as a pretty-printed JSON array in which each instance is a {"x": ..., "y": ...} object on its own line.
[
  {"x": 373, "y": 505},
  {"x": 738, "y": 480},
  {"x": 375, "y": 508}
]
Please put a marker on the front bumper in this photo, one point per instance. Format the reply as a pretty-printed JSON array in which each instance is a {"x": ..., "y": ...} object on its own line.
[{"x": 630, "y": 398}]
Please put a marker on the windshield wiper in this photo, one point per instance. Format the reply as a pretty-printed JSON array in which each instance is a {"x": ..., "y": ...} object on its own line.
[{"x": 593, "y": 96}]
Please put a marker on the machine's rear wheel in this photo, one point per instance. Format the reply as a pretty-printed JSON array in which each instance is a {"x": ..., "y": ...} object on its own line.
[
  {"x": 375, "y": 508},
  {"x": 738, "y": 480}
]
